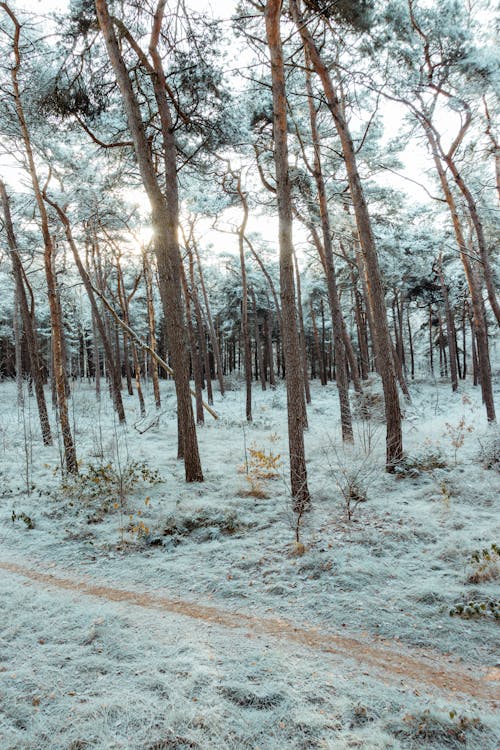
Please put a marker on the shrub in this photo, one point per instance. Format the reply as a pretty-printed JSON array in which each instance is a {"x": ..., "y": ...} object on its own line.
[
  {"x": 485, "y": 564},
  {"x": 106, "y": 481},
  {"x": 489, "y": 454},
  {"x": 425, "y": 461},
  {"x": 473, "y": 610}
]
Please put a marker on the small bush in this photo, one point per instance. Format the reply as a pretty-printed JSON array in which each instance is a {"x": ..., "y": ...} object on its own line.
[
  {"x": 21, "y": 516},
  {"x": 369, "y": 404},
  {"x": 106, "y": 481},
  {"x": 489, "y": 454},
  {"x": 225, "y": 522},
  {"x": 485, "y": 564},
  {"x": 429, "y": 729},
  {"x": 474, "y": 610},
  {"x": 425, "y": 461}
]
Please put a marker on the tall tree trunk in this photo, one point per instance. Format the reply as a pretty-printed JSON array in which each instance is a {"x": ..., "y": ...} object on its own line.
[
  {"x": 165, "y": 220},
  {"x": 211, "y": 328},
  {"x": 450, "y": 328},
  {"x": 302, "y": 337},
  {"x": 294, "y": 384},
  {"x": 27, "y": 320},
  {"x": 317, "y": 346},
  {"x": 480, "y": 325},
  {"x": 148, "y": 283},
  {"x": 202, "y": 343},
  {"x": 70, "y": 460},
  {"x": 382, "y": 340},
  {"x": 115, "y": 378},
  {"x": 195, "y": 354},
  {"x": 258, "y": 342}
]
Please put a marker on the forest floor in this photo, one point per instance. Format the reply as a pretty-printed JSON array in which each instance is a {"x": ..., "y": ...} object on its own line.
[{"x": 139, "y": 612}]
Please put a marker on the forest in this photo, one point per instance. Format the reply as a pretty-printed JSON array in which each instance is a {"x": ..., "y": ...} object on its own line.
[{"x": 249, "y": 371}]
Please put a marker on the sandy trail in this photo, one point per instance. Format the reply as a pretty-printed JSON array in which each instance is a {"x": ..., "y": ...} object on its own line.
[{"x": 384, "y": 660}]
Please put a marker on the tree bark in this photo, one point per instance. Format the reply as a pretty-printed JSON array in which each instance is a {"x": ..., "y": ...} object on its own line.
[
  {"x": 27, "y": 320},
  {"x": 294, "y": 384},
  {"x": 165, "y": 220},
  {"x": 382, "y": 340},
  {"x": 59, "y": 372}
]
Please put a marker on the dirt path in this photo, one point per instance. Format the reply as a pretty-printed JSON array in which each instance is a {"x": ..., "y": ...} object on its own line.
[{"x": 386, "y": 660}]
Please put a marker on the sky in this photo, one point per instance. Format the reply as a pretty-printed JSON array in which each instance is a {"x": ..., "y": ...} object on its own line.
[{"x": 415, "y": 157}]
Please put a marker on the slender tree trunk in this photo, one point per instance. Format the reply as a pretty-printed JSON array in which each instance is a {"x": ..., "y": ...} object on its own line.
[
  {"x": 339, "y": 329},
  {"x": 96, "y": 357},
  {"x": 258, "y": 343},
  {"x": 200, "y": 327},
  {"x": 211, "y": 328},
  {"x": 302, "y": 338},
  {"x": 115, "y": 378},
  {"x": 70, "y": 460},
  {"x": 27, "y": 320},
  {"x": 480, "y": 325},
  {"x": 431, "y": 342},
  {"x": 382, "y": 340},
  {"x": 18, "y": 334},
  {"x": 294, "y": 384},
  {"x": 195, "y": 355},
  {"x": 317, "y": 346},
  {"x": 165, "y": 220},
  {"x": 410, "y": 344},
  {"x": 450, "y": 328},
  {"x": 148, "y": 283}
]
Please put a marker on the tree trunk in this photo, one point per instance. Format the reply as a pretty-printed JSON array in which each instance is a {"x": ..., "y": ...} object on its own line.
[
  {"x": 302, "y": 338},
  {"x": 115, "y": 378},
  {"x": 27, "y": 320},
  {"x": 70, "y": 460},
  {"x": 294, "y": 380},
  {"x": 450, "y": 328},
  {"x": 148, "y": 283},
  {"x": 480, "y": 325},
  {"x": 165, "y": 221},
  {"x": 382, "y": 340}
]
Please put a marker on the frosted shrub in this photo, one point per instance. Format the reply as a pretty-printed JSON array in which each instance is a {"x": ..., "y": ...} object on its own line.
[
  {"x": 369, "y": 404},
  {"x": 485, "y": 564},
  {"x": 424, "y": 461},
  {"x": 489, "y": 454},
  {"x": 100, "y": 480},
  {"x": 260, "y": 465},
  {"x": 353, "y": 473},
  {"x": 437, "y": 730},
  {"x": 473, "y": 610},
  {"x": 456, "y": 433}
]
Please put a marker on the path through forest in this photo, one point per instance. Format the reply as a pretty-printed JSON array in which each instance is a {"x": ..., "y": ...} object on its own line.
[{"x": 384, "y": 660}]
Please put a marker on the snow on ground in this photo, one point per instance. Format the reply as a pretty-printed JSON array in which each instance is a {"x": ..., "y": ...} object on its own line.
[{"x": 81, "y": 672}]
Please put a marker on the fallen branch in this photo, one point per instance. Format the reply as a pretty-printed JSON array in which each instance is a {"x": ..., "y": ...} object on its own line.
[{"x": 142, "y": 345}]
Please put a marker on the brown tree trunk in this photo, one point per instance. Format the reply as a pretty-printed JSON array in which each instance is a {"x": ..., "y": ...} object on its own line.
[
  {"x": 339, "y": 329},
  {"x": 211, "y": 328},
  {"x": 148, "y": 283},
  {"x": 27, "y": 320},
  {"x": 165, "y": 219},
  {"x": 258, "y": 342},
  {"x": 200, "y": 327},
  {"x": 195, "y": 354},
  {"x": 480, "y": 325},
  {"x": 382, "y": 340},
  {"x": 70, "y": 460},
  {"x": 302, "y": 338},
  {"x": 294, "y": 384},
  {"x": 115, "y": 379},
  {"x": 450, "y": 328},
  {"x": 317, "y": 346}
]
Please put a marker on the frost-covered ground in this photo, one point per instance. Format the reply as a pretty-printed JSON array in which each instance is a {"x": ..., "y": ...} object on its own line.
[{"x": 81, "y": 671}]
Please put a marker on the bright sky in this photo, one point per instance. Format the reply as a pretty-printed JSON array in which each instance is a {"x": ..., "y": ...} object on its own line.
[{"x": 415, "y": 157}]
